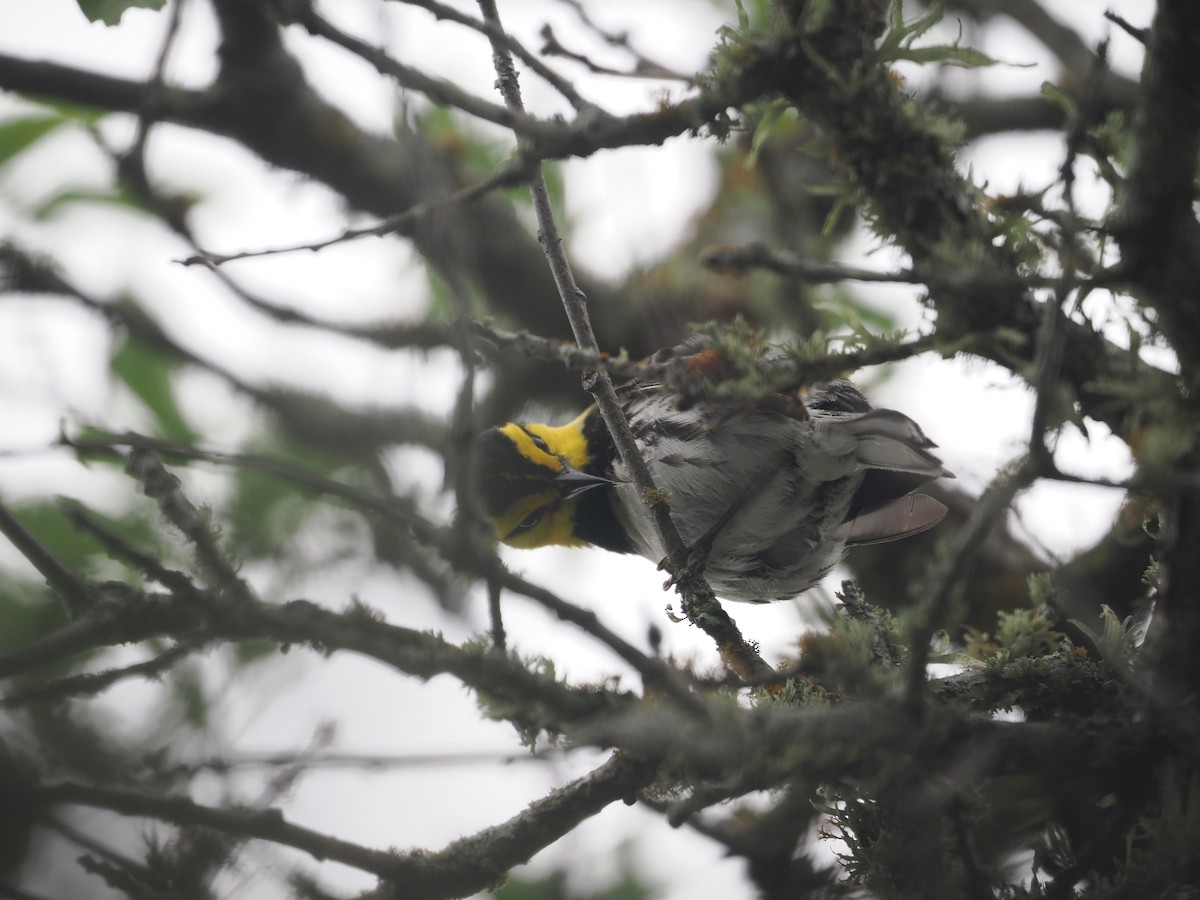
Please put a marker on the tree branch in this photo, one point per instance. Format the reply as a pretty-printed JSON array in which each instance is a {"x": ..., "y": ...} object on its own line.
[
  {"x": 699, "y": 602},
  {"x": 463, "y": 868},
  {"x": 1156, "y": 225}
]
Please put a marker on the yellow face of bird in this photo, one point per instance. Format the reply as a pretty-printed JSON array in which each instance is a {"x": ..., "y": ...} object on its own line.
[
  {"x": 527, "y": 505},
  {"x": 539, "y": 520}
]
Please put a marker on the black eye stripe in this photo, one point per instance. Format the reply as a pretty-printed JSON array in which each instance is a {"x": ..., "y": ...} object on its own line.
[
  {"x": 530, "y": 521},
  {"x": 537, "y": 441}
]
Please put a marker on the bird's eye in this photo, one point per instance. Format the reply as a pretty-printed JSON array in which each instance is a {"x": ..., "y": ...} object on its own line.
[
  {"x": 540, "y": 444},
  {"x": 530, "y": 520}
]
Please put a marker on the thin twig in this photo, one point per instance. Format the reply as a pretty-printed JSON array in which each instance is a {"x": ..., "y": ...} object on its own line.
[
  {"x": 89, "y": 843},
  {"x": 644, "y": 67},
  {"x": 89, "y": 684},
  {"x": 499, "y": 639},
  {"x": 949, "y": 576},
  {"x": 559, "y": 83},
  {"x": 511, "y": 173},
  {"x": 148, "y": 564},
  {"x": 401, "y": 511},
  {"x": 266, "y": 824},
  {"x": 72, "y": 639},
  {"x": 781, "y": 376},
  {"x": 223, "y": 766},
  {"x": 71, "y": 589},
  {"x": 1051, "y": 338},
  {"x": 699, "y": 601},
  {"x": 654, "y": 671},
  {"x": 444, "y": 93},
  {"x": 737, "y": 259},
  {"x": 1141, "y": 35},
  {"x": 167, "y": 491},
  {"x": 466, "y": 866}
]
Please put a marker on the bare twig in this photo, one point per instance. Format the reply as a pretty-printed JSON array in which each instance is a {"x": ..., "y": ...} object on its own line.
[
  {"x": 513, "y": 172},
  {"x": 441, "y": 92},
  {"x": 569, "y": 355},
  {"x": 397, "y": 509},
  {"x": 1051, "y": 338},
  {"x": 644, "y": 67},
  {"x": 466, "y": 866},
  {"x": 1141, "y": 35},
  {"x": 92, "y": 683},
  {"x": 222, "y": 765},
  {"x": 949, "y": 575},
  {"x": 72, "y": 639},
  {"x": 701, "y": 605},
  {"x": 738, "y": 259},
  {"x": 167, "y": 491},
  {"x": 132, "y": 163},
  {"x": 148, "y": 564},
  {"x": 266, "y": 824},
  {"x": 499, "y": 638},
  {"x": 655, "y": 672},
  {"x": 71, "y": 589},
  {"x": 560, "y": 84}
]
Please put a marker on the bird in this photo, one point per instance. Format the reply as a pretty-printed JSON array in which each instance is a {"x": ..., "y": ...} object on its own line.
[{"x": 767, "y": 495}]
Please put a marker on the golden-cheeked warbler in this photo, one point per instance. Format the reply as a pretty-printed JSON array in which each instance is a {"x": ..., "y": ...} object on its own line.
[{"x": 773, "y": 491}]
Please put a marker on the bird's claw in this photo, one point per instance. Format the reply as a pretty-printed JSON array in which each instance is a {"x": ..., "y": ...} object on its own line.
[{"x": 697, "y": 559}]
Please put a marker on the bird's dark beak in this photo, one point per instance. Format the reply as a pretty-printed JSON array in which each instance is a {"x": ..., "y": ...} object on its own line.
[{"x": 571, "y": 482}]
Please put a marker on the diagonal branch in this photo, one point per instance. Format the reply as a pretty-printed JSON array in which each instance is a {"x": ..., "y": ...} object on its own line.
[
  {"x": 266, "y": 824},
  {"x": 560, "y": 84},
  {"x": 463, "y": 868},
  {"x": 72, "y": 590},
  {"x": 474, "y": 863},
  {"x": 91, "y": 683},
  {"x": 699, "y": 601}
]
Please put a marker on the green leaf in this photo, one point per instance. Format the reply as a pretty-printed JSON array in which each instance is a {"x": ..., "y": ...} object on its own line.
[
  {"x": 110, "y": 11},
  {"x": 1117, "y": 640},
  {"x": 27, "y": 612},
  {"x": 897, "y": 43},
  {"x": 835, "y": 215},
  {"x": 772, "y": 112},
  {"x": 900, "y": 35},
  {"x": 950, "y": 55},
  {"x": 1052, "y": 93},
  {"x": 18, "y": 135},
  {"x": 265, "y": 511},
  {"x": 118, "y": 196},
  {"x": 86, "y": 115},
  {"x": 814, "y": 16},
  {"x": 743, "y": 16},
  {"x": 843, "y": 309},
  {"x": 191, "y": 700},
  {"x": 81, "y": 552},
  {"x": 924, "y": 23},
  {"x": 148, "y": 374},
  {"x": 47, "y": 524},
  {"x": 895, "y": 32}
]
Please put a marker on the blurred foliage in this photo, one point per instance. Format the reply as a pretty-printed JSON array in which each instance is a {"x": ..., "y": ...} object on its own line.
[
  {"x": 110, "y": 11},
  {"x": 148, "y": 374},
  {"x": 1097, "y": 797},
  {"x": 622, "y": 883},
  {"x": 17, "y": 135}
]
